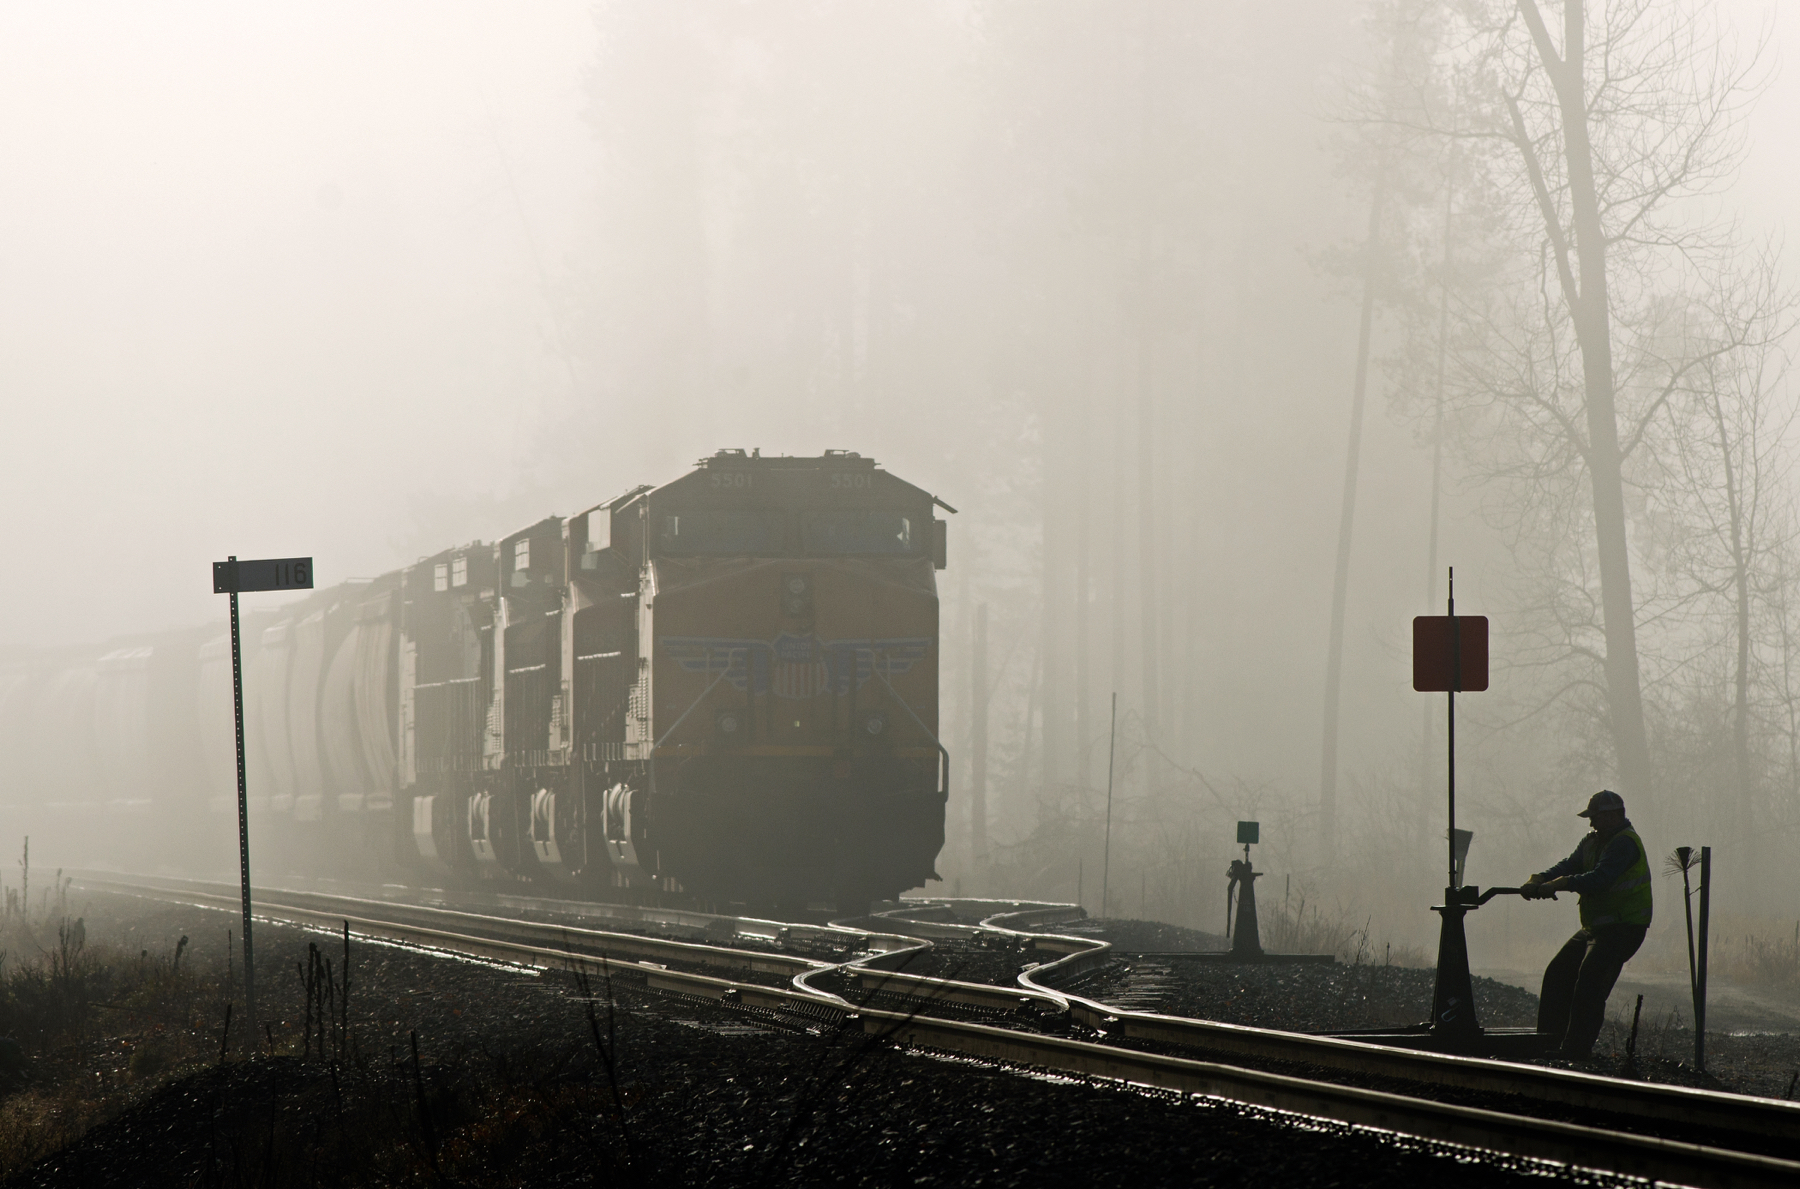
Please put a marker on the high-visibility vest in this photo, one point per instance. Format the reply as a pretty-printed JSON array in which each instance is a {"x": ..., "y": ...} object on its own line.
[{"x": 1627, "y": 902}]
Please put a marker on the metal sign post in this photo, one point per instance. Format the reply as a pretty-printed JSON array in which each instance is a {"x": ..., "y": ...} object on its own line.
[
  {"x": 230, "y": 577},
  {"x": 1450, "y": 653},
  {"x": 1700, "y": 980}
]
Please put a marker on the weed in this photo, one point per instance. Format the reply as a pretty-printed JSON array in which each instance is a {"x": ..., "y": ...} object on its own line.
[{"x": 1302, "y": 929}]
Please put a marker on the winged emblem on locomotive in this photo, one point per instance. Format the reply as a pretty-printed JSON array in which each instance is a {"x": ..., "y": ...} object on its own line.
[{"x": 791, "y": 666}]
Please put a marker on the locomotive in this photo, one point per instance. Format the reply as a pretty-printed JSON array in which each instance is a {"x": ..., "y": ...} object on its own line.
[{"x": 721, "y": 691}]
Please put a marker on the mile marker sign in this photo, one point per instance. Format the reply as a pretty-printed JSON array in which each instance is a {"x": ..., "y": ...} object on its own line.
[
  {"x": 271, "y": 573},
  {"x": 232, "y": 577}
]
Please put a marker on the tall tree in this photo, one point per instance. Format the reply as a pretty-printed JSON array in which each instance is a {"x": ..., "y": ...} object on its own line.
[
  {"x": 1340, "y": 585},
  {"x": 1728, "y": 459},
  {"x": 1428, "y": 705},
  {"x": 1146, "y": 380},
  {"x": 1604, "y": 124},
  {"x": 1379, "y": 108},
  {"x": 979, "y": 693},
  {"x": 1579, "y": 242}
]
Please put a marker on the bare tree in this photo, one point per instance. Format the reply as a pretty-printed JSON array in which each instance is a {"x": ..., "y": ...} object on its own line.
[
  {"x": 1728, "y": 457},
  {"x": 1604, "y": 128}
]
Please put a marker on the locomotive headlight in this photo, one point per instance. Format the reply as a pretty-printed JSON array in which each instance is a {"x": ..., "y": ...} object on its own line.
[
  {"x": 796, "y": 594},
  {"x": 875, "y": 725},
  {"x": 728, "y": 722}
]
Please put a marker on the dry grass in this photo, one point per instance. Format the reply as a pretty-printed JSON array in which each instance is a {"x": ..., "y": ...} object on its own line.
[
  {"x": 1301, "y": 928},
  {"x": 316, "y": 1108},
  {"x": 98, "y": 1028},
  {"x": 107, "y": 1030},
  {"x": 1760, "y": 954},
  {"x": 1763, "y": 954},
  {"x": 104, "y": 1030}
]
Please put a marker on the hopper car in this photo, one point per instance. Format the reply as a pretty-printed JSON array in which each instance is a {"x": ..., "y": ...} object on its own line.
[{"x": 721, "y": 691}]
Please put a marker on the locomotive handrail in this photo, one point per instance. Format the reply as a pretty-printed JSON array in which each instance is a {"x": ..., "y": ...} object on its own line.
[
  {"x": 673, "y": 727},
  {"x": 943, "y": 752}
]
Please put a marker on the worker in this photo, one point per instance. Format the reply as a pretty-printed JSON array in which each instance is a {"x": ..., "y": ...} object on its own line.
[{"x": 1610, "y": 870}]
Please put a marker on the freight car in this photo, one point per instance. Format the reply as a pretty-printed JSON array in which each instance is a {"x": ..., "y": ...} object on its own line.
[{"x": 718, "y": 691}]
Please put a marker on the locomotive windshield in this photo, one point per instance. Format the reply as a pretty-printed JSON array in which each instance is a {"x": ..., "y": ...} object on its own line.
[
  {"x": 856, "y": 531},
  {"x": 723, "y": 532},
  {"x": 838, "y": 532}
]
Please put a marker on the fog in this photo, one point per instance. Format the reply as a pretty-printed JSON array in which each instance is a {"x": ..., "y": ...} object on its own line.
[{"x": 362, "y": 282}]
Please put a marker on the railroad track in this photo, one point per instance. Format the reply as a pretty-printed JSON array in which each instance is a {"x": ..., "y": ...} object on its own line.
[{"x": 789, "y": 972}]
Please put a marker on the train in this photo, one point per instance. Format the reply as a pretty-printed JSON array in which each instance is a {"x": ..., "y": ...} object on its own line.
[{"x": 720, "y": 692}]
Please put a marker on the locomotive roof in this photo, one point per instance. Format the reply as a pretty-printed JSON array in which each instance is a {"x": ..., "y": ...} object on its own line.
[
  {"x": 836, "y": 461},
  {"x": 737, "y": 458},
  {"x": 755, "y": 461}
]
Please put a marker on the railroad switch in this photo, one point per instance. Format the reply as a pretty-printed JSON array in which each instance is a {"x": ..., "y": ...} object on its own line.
[
  {"x": 1246, "y": 946},
  {"x": 1453, "y": 1027},
  {"x": 1246, "y": 942},
  {"x": 1240, "y": 913}
]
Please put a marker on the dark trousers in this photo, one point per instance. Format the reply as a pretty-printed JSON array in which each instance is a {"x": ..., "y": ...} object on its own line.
[{"x": 1572, "y": 1004}]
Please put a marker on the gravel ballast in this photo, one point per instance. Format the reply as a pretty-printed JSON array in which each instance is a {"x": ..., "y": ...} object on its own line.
[
  {"x": 1297, "y": 997},
  {"x": 1320, "y": 998},
  {"x": 516, "y": 1084}
]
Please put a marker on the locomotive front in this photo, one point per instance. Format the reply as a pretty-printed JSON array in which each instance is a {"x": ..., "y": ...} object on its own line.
[{"x": 787, "y": 694}]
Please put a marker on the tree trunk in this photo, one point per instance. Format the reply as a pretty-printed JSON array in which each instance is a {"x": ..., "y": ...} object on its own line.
[
  {"x": 1117, "y": 550},
  {"x": 1084, "y": 741},
  {"x": 978, "y": 742},
  {"x": 1428, "y": 786},
  {"x": 1147, "y": 520},
  {"x": 1334, "y": 663},
  {"x": 1031, "y": 706},
  {"x": 1740, "y": 717},
  {"x": 1050, "y": 599},
  {"x": 1591, "y": 314},
  {"x": 1146, "y": 408},
  {"x": 1740, "y": 577},
  {"x": 1789, "y": 702}
]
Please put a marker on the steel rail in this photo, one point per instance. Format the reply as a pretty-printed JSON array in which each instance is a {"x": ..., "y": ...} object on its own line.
[
  {"x": 1712, "y": 1110},
  {"x": 1606, "y": 1150},
  {"x": 1751, "y": 1117},
  {"x": 665, "y": 919},
  {"x": 445, "y": 927},
  {"x": 433, "y": 922},
  {"x": 1569, "y": 1144}
]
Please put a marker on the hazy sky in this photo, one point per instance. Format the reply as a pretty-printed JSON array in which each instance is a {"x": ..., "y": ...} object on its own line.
[
  {"x": 268, "y": 270},
  {"x": 271, "y": 274}
]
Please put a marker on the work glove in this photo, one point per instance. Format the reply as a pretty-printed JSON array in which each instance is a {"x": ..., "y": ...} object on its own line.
[{"x": 1533, "y": 888}]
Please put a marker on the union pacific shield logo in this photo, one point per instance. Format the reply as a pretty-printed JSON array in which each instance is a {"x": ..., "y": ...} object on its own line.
[{"x": 791, "y": 666}]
